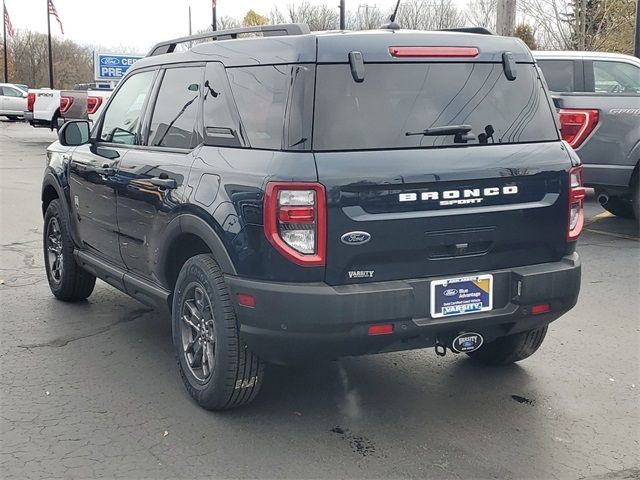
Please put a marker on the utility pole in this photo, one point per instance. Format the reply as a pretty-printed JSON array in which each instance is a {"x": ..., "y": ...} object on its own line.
[
  {"x": 342, "y": 15},
  {"x": 214, "y": 20},
  {"x": 189, "y": 20},
  {"x": 4, "y": 37},
  {"x": 50, "y": 49},
  {"x": 637, "y": 47},
  {"x": 506, "y": 17}
]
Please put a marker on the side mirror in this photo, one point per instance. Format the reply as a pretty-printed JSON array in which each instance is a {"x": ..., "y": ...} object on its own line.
[{"x": 75, "y": 133}]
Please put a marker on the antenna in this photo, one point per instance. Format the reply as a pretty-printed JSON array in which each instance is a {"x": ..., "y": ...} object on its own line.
[{"x": 392, "y": 25}]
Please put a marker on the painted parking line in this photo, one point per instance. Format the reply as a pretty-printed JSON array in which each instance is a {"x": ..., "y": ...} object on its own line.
[
  {"x": 600, "y": 216},
  {"x": 611, "y": 234}
]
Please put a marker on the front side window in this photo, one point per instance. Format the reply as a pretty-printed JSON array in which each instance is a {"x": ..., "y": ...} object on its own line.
[
  {"x": 173, "y": 123},
  {"x": 559, "y": 74},
  {"x": 123, "y": 116},
  {"x": 616, "y": 77},
  {"x": 396, "y": 103}
]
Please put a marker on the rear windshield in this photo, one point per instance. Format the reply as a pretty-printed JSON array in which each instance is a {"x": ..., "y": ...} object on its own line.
[{"x": 400, "y": 99}]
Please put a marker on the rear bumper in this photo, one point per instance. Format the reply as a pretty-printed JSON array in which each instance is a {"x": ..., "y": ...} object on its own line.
[
  {"x": 612, "y": 178},
  {"x": 292, "y": 320}
]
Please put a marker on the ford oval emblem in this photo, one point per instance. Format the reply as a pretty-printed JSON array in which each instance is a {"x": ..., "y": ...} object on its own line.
[
  {"x": 355, "y": 238},
  {"x": 450, "y": 292},
  {"x": 467, "y": 342}
]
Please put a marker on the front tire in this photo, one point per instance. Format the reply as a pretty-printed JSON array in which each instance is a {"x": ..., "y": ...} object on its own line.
[
  {"x": 510, "y": 349},
  {"x": 67, "y": 280},
  {"x": 218, "y": 370}
]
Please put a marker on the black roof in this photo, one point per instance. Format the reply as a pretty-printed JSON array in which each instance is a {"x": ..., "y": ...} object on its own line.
[{"x": 331, "y": 47}]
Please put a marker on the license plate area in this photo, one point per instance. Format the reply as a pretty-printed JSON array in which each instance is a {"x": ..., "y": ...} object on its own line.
[{"x": 461, "y": 295}]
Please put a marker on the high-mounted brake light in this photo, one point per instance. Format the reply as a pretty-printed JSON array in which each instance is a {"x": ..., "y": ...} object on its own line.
[
  {"x": 31, "y": 100},
  {"x": 575, "y": 220},
  {"x": 434, "y": 52},
  {"x": 65, "y": 103},
  {"x": 295, "y": 221},
  {"x": 577, "y": 124},
  {"x": 93, "y": 104}
]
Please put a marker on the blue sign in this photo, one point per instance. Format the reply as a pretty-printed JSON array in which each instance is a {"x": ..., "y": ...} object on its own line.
[{"x": 109, "y": 66}]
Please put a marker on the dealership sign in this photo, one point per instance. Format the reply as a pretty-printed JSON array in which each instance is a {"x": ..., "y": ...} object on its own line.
[{"x": 109, "y": 66}]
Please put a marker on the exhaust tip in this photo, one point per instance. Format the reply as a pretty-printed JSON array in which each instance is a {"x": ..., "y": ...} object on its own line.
[{"x": 603, "y": 198}]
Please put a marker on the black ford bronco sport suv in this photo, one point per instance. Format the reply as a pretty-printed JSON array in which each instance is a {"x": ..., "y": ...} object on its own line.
[{"x": 292, "y": 194}]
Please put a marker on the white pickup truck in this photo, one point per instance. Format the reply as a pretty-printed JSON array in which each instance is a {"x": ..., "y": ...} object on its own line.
[{"x": 51, "y": 108}]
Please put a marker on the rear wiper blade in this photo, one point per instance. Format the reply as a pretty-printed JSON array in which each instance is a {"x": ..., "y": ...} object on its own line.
[
  {"x": 443, "y": 130},
  {"x": 462, "y": 132}
]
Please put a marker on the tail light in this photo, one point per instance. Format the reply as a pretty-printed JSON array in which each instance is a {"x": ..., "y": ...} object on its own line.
[
  {"x": 575, "y": 222},
  {"x": 295, "y": 221},
  {"x": 65, "y": 103},
  {"x": 31, "y": 99},
  {"x": 434, "y": 52},
  {"x": 576, "y": 125},
  {"x": 93, "y": 104}
]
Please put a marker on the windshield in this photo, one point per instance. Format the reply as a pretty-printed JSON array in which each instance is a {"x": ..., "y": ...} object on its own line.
[{"x": 396, "y": 102}]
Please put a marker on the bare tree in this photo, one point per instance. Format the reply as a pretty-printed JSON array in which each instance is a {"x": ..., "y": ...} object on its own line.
[
  {"x": 318, "y": 17},
  {"x": 429, "y": 15},
  {"x": 226, "y": 22},
  {"x": 549, "y": 20},
  {"x": 366, "y": 17},
  {"x": 482, "y": 13}
]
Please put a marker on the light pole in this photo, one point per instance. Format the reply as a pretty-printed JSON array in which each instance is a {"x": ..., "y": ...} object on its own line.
[{"x": 342, "y": 15}]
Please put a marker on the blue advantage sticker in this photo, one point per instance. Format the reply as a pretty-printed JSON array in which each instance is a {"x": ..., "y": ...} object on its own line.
[{"x": 462, "y": 295}]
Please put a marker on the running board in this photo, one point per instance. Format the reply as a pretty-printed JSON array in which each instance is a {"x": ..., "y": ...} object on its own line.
[{"x": 139, "y": 288}]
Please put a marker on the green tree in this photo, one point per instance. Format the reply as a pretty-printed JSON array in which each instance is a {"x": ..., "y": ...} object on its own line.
[
  {"x": 526, "y": 33},
  {"x": 252, "y": 19}
]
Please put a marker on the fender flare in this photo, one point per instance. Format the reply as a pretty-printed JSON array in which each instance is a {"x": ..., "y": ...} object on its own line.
[{"x": 190, "y": 223}]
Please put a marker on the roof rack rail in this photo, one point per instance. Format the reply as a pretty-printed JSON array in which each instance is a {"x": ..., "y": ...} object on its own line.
[
  {"x": 169, "y": 46},
  {"x": 479, "y": 30}
]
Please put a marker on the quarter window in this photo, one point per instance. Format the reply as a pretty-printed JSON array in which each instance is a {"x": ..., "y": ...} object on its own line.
[
  {"x": 616, "y": 78},
  {"x": 220, "y": 126},
  {"x": 173, "y": 123},
  {"x": 559, "y": 74},
  {"x": 122, "y": 119}
]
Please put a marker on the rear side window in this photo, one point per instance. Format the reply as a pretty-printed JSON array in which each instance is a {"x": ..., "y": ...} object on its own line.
[
  {"x": 122, "y": 118},
  {"x": 396, "y": 101},
  {"x": 221, "y": 127},
  {"x": 173, "y": 123},
  {"x": 616, "y": 77},
  {"x": 559, "y": 74},
  {"x": 275, "y": 104}
]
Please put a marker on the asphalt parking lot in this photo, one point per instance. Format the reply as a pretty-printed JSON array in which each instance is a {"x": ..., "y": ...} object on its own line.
[{"x": 91, "y": 389}]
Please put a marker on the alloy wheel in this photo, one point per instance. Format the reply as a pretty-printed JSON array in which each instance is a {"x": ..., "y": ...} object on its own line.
[
  {"x": 197, "y": 332},
  {"x": 54, "y": 249}
]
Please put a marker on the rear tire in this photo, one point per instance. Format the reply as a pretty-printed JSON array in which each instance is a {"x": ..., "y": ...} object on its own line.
[
  {"x": 510, "y": 349},
  {"x": 619, "y": 207},
  {"x": 67, "y": 280},
  {"x": 636, "y": 200},
  {"x": 218, "y": 370}
]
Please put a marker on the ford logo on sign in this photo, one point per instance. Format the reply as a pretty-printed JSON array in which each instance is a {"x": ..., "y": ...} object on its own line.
[
  {"x": 450, "y": 292},
  {"x": 355, "y": 238},
  {"x": 109, "y": 61}
]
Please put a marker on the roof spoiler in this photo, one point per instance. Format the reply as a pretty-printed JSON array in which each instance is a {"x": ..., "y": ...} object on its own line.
[
  {"x": 478, "y": 30},
  {"x": 169, "y": 46}
]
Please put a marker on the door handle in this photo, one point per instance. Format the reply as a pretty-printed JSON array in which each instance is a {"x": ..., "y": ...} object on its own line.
[{"x": 163, "y": 182}]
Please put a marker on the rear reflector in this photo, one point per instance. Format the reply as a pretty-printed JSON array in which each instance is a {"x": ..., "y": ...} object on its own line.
[
  {"x": 434, "y": 52},
  {"x": 541, "y": 308},
  {"x": 576, "y": 125},
  {"x": 246, "y": 300},
  {"x": 382, "y": 329}
]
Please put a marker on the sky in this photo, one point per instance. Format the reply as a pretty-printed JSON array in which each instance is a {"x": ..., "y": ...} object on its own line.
[{"x": 138, "y": 24}]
